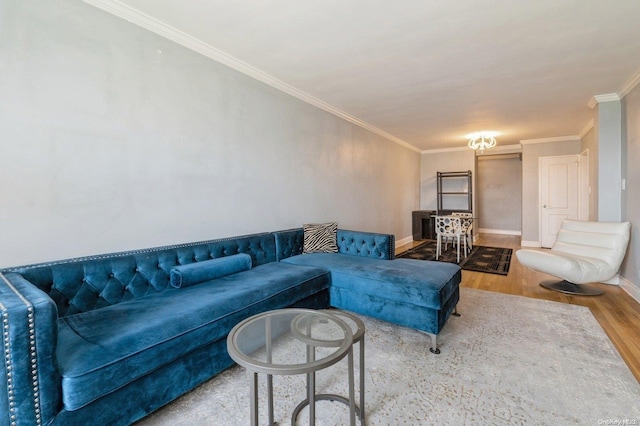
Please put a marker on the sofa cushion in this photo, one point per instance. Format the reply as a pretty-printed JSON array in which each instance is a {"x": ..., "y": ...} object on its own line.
[
  {"x": 420, "y": 282},
  {"x": 104, "y": 349},
  {"x": 320, "y": 237},
  {"x": 197, "y": 272}
]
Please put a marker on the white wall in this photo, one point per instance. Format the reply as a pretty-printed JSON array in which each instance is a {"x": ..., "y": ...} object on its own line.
[{"x": 114, "y": 138}]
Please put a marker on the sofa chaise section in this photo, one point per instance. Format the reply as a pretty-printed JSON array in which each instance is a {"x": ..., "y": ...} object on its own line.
[{"x": 365, "y": 278}]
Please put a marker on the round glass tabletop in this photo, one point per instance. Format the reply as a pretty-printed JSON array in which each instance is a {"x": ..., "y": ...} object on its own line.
[
  {"x": 289, "y": 341},
  {"x": 356, "y": 324}
]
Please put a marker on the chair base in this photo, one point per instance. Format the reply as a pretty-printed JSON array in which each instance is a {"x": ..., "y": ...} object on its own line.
[{"x": 567, "y": 287}]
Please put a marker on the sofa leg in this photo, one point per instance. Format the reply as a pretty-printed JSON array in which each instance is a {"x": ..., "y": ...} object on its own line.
[
  {"x": 434, "y": 344},
  {"x": 434, "y": 337}
]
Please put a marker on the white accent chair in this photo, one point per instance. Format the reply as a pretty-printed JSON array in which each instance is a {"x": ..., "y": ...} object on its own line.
[
  {"x": 584, "y": 252},
  {"x": 449, "y": 228}
]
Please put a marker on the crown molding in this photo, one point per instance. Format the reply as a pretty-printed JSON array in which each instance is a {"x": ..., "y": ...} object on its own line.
[
  {"x": 439, "y": 150},
  {"x": 501, "y": 150},
  {"x": 586, "y": 129},
  {"x": 145, "y": 21},
  {"x": 569, "y": 138},
  {"x": 607, "y": 97},
  {"x": 635, "y": 80}
]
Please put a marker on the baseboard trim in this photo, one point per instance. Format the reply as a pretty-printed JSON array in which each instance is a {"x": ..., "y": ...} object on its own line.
[
  {"x": 631, "y": 289},
  {"x": 499, "y": 231},
  {"x": 525, "y": 243},
  {"x": 405, "y": 240}
]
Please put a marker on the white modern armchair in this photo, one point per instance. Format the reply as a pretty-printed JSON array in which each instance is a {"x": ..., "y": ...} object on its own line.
[{"x": 584, "y": 252}]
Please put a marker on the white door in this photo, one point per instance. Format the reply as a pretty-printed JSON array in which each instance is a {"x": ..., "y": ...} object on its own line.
[{"x": 558, "y": 194}]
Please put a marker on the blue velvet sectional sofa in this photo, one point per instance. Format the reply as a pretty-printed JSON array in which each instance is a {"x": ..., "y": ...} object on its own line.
[{"x": 108, "y": 339}]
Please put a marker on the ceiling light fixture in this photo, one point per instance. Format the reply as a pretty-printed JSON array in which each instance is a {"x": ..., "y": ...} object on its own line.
[{"x": 482, "y": 140}]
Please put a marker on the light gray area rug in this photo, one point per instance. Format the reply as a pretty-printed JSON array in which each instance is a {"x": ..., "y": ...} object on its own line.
[{"x": 506, "y": 360}]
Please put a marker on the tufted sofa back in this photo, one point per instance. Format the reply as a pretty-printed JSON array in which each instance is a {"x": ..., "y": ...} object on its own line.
[
  {"x": 87, "y": 283},
  {"x": 378, "y": 246}
]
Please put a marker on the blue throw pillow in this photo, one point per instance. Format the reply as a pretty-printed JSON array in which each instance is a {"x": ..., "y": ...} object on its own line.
[{"x": 197, "y": 272}]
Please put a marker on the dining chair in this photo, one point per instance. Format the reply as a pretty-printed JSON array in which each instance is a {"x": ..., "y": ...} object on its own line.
[
  {"x": 449, "y": 228},
  {"x": 466, "y": 220}
]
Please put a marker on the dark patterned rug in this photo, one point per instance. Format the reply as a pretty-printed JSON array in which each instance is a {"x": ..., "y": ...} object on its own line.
[{"x": 492, "y": 260}]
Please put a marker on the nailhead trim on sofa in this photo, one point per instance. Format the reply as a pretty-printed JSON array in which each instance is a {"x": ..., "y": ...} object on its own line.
[{"x": 33, "y": 361}]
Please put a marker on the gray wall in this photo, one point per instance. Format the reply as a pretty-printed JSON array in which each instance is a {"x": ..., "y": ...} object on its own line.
[
  {"x": 590, "y": 142},
  {"x": 608, "y": 119},
  {"x": 115, "y": 138},
  {"x": 631, "y": 197},
  {"x": 530, "y": 185},
  {"x": 499, "y": 193}
]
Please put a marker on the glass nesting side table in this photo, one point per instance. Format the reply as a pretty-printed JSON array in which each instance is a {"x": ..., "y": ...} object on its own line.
[{"x": 297, "y": 341}]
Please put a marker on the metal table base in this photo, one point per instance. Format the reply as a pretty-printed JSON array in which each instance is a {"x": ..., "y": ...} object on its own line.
[
  {"x": 246, "y": 337},
  {"x": 358, "y": 336}
]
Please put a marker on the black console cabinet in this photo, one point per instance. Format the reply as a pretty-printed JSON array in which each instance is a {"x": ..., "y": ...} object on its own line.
[{"x": 423, "y": 224}]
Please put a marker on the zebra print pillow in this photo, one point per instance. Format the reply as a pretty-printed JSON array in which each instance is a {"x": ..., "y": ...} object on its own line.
[{"x": 320, "y": 237}]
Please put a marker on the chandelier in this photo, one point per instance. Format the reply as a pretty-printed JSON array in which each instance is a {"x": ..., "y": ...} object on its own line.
[{"x": 482, "y": 140}]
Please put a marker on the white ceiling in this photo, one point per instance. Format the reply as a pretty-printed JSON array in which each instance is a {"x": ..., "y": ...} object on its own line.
[{"x": 422, "y": 72}]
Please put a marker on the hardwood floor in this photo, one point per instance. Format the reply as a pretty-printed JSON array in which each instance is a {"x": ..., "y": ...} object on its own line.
[{"x": 616, "y": 311}]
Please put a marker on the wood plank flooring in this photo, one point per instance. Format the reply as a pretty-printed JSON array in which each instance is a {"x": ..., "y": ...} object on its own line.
[{"x": 616, "y": 311}]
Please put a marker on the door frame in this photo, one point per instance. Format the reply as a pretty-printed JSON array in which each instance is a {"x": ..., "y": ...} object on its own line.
[{"x": 584, "y": 190}]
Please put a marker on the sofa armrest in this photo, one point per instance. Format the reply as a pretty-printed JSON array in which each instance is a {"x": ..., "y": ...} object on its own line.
[
  {"x": 30, "y": 384},
  {"x": 367, "y": 244},
  {"x": 289, "y": 242}
]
